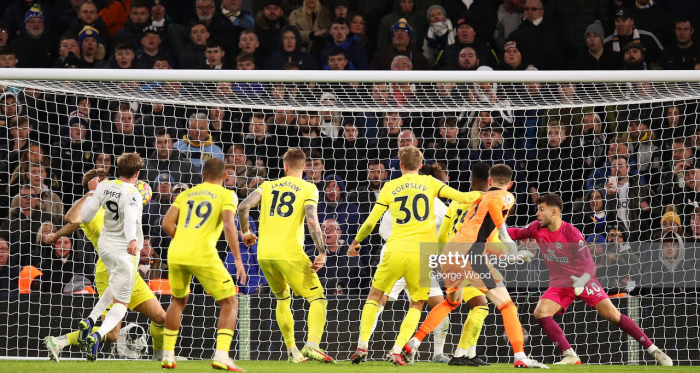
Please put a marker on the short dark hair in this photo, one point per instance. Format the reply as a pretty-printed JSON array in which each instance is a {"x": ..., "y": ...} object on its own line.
[
  {"x": 128, "y": 164},
  {"x": 162, "y": 132},
  {"x": 480, "y": 172},
  {"x": 551, "y": 200},
  {"x": 435, "y": 170},
  {"x": 316, "y": 154},
  {"x": 619, "y": 156},
  {"x": 138, "y": 4},
  {"x": 501, "y": 174},
  {"x": 6, "y": 50},
  {"x": 337, "y": 51},
  {"x": 214, "y": 44},
  {"x": 683, "y": 19},
  {"x": 214, "y": 169},
  {"x": 339, "y": 21},
  {"x": 124, "y": 46},
  {"x": 245, "y": 57},
  {"x": 68, "y": 36}
]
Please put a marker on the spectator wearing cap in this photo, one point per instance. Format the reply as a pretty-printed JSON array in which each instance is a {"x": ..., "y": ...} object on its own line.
[
  {"x": 151, "y": 48},
  {"x": 34, "y": 49},
  {"x": 133, "y": 30},
  {"x": 313, "y": 21},
  {"x": 166, "y": 159},
  {"x": 88, "y": 16},
  {"x": 595, "y": 57},
  {"x": 123, "y": 58},
  {"x": 268, "y": 26},
  {"x": 15, "y": 15},
  {"x": 231, "y": 9},
  {"x": 406, "y": 10},
  {"x": 402, "y": 35},
  {"x": 539, "y": 41},
  {"x": 572, "y": 18},
  {"x": 483, "y": 11},
  {"x": 440, "y": 33},
  {"x": 341, "y": 37},
  {"x": 292, "y": 51},
  {"x": 510, "y": 16},
  {"x": 512, "y": 58},
  {"x": 466, "y": 37},
  {"x": 188, "y": 44},
  {"x": 683, "y": 53},
  {"x": 67, "y": 45},
  {"x": 626, "y": 32},
  {"x": 633, "y": 57},
  {"x": 91, "y": 51}
]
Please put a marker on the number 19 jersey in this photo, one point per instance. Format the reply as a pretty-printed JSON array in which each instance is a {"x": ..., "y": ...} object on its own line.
[
  {"x": 200, "y": 223},
  {"x": 281, "y": 234}
]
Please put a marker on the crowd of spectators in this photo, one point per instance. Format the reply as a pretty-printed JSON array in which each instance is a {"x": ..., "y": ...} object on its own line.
[{"x": 628, "y": 174}]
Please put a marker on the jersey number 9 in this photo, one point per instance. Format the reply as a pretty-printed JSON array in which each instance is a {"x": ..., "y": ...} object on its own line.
[
  {"x": 203, "y": 212},
  {"x": 113, "y": 207},
  {"x": 407, "y": 213}
]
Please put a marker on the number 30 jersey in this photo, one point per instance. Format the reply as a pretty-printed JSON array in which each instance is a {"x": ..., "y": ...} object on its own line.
[
  {"x": 200, "y": 223},
  {"x": 121, "y": 201},
  {"x": 282, "y": 216}
]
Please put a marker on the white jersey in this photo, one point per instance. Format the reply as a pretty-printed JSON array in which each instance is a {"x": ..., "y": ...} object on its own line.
[
  {"x": 385, "y": 224},
  {"x": 123, "y": 207}
]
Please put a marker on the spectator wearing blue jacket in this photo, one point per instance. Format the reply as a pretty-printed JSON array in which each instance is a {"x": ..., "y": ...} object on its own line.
[
  {"x": 249, "y": 256},
  {"x": 290, "y": 38},
  {"x": 341, "y": 37},
  {"x": 334, "y": 205},
  {"x": 600, "y": 175},
  {"x": 231, "y": 9},
  {"x": 198, "y": 145}
]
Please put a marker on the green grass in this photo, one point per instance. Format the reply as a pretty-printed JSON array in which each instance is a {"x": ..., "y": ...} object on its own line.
[{"x": 19, "y": 366}]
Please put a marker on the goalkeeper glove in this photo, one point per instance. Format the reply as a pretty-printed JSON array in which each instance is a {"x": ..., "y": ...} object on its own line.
[
  {"x": 507, "y": 241},
  {"x": 522, "y": 254},
  {"x": 580, "y": 283}
]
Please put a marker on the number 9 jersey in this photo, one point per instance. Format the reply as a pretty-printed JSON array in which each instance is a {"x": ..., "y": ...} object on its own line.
[
  {"x": 200, "y": 223},
  {"x": 281, "y": 229}
]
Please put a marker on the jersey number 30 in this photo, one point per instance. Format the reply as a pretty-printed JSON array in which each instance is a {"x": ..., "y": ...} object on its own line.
[
  {"x": 203, "y": 212},
  {"x": 408, "y": 214}
]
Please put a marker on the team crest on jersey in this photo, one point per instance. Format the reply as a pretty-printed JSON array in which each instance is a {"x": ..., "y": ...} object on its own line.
[
  {"x": 508, "y": 199},
  {"x": 558, "y": 245}
]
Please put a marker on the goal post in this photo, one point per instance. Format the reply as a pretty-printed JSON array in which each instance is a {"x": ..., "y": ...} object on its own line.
[{"x": 619, "y": 147}]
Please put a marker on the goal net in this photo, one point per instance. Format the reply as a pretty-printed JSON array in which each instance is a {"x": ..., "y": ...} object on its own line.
[{"x": 618, "y": 147}]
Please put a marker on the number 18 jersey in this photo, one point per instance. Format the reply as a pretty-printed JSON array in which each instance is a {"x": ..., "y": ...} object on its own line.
[
  {"x": 281, "y": 233},
  {"x": 200, "y": 223}
]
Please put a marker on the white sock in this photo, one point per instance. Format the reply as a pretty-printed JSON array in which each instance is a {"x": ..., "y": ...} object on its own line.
[
  {"x": 158, "y": 355},
  {"x": 519, "y": 356},
  {"x": 415, "y": 343},
  {"x": 61, "y": 341},
  {"x": 459, "y": 352},
  {"x": 169, "y": 355},
  {"x": 293, "y": 351},
  {"x": 396, "y": 349},
  {"x": 220, "y": 355},
  {"x": 312, "y": 344},
  {"x": 652, "y": 349},
  {"x": 440, "y": 335},
  {"x": 362, "y": 345},
  {"x": 102, "y": 304},
  {"x": 471, "y": 352},
  {"x": 114, "y": 317}
]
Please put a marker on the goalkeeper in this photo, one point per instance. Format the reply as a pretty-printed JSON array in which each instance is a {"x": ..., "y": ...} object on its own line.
[
  {"x": 142, "y": 301},
  {"x": 572, "y": 275}
]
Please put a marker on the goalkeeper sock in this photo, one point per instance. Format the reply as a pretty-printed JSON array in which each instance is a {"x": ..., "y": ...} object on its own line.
[
  {"x": 114, "y": 317},
  {"x": 472, "y": 328},
  {"x": 380, "y": 309},
  {"x": 169, "y": 339},
  {"x": 285, "y": 320},
  {"x": 72, "y": 337},
  {"x": 633, "y": 330},
  {"x": 101, "y": 306},
  {"x": 317, "y": 321},
  {"x": 554, "y": 332},
  {"x": 408, "y": 327},
  {"x": 440, "y": 335},
  {"x": 369, "y": 316},
  {"x": 223, "y": 340},
  {"x": 514, "y": 329},
  {"x": 435, "y": 317},
  {"x": 156, "y": 331}
]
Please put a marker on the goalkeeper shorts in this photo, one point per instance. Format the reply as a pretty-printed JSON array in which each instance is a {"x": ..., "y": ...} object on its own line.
[{"x": 592, "y": 294}]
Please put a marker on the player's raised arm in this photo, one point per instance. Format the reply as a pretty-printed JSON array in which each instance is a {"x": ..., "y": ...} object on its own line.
[
  {"x": 92, "y": 203},
  {"x": 253, "y": 200},
  {"x": 73, "y": 214},
  {"x": 231, "y": 234}
]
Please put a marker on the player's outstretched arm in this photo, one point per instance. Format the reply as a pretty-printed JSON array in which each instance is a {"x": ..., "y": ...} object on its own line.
[
  {"x": 92, "y": 203},
  {"x": 253, "y": 200},
  {"x": 367, "y": 228},
  {"x": 65, "y": 230},
  {"x": 73, "y": 214},
  {"x": 456, "y": 195},
  {"x": 315, "y": 233},
  {"x": 170, "y": 220},
  {"x": 231, "y": 234}
]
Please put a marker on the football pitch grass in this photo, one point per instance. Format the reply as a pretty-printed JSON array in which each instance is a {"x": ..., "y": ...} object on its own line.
[{"x": 72, "y": 366}]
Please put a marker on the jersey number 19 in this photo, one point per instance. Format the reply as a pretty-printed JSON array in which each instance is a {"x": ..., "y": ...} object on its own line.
[{"x": 202, "y": 211}]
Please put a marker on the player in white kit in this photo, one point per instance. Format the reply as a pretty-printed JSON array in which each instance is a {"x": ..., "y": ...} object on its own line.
[
  {"x": 435, "y": 295},
  {"x": 119, "y": 244}
]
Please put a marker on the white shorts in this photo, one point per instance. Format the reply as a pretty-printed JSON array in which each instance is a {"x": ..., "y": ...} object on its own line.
[
  {"x": 122, "y": 272},
  {"x": 435, "y": 289}
]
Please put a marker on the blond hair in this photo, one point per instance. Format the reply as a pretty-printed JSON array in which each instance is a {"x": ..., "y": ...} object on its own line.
[{"x": 411, "y": 157}]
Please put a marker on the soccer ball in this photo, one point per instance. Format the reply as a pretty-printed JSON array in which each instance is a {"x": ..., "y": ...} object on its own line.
[{"x": 145, "y": 190}]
